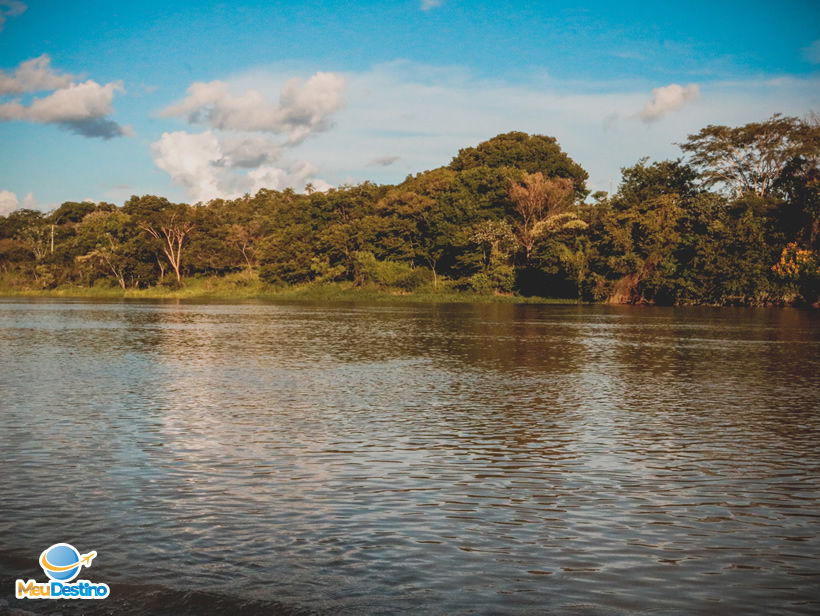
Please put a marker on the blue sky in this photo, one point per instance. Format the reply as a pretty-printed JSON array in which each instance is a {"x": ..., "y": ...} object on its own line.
[{"x": 401, "y": 86}]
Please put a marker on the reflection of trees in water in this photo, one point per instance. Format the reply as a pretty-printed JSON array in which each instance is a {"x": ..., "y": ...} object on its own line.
[
  {"x": 493, "y": 336},
  {"x": 256, "y": 438},
  {"x": 696, "y": 378}
]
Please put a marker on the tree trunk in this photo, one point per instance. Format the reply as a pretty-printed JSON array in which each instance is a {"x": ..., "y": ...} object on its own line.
[{"x": 161, "y": 269}]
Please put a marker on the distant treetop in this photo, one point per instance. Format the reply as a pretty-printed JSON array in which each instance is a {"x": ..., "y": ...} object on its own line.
[{"x": 530, "y": 153}]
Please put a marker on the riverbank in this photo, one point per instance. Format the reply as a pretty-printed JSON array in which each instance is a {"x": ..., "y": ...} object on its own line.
[{"x": 238, "y": 287}]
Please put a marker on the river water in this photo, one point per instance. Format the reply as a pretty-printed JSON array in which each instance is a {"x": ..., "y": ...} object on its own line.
[{"x": 413, "y": 459}]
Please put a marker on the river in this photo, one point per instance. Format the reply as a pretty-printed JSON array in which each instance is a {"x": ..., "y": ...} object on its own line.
[{"x": 413, "y": 459}]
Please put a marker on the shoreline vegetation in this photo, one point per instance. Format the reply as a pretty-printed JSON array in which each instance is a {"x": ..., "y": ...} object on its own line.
[
  {"x": 735, "y": 222},
  {"x": 248, "y": 286}
]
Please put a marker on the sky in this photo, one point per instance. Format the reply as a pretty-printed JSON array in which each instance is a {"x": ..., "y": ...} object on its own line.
[{"x": 101, "y": 100}]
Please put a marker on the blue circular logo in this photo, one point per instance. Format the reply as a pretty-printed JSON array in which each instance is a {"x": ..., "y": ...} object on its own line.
[{"x": 61, "y": 562}]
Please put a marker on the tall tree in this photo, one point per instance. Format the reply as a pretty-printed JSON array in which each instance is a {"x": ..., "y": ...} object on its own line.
[
  {"x": 170, "y": 227},
  {"x": 752, "y": 157},
  {"x": 536, "y": 200}
]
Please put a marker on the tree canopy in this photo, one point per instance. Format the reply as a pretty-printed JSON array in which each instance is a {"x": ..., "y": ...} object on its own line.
[{"x": 736, "y": 222}]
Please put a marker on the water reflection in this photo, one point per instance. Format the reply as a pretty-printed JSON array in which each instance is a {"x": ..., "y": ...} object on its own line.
[{"x": 446, "y": 459}]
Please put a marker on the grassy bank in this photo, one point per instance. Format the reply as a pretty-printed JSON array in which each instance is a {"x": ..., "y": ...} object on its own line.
[{"x": 242, "y": 286}]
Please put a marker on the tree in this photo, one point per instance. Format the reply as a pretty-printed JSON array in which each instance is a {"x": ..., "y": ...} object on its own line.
[
  {"x": 73, "y": 212},
  {"x": 530, "y": 153},
  {"x": 736, "y": 222},
  {"x": 643, "y": 230},
  {"x": 35, "y": 236},
  {"x": 107, "y": 232},
  {"x": 245, "y": 237},
  {"x": 170, "y": 227},
  {"x": 497, "y": 243},
  {"x": 537, "y": 200},
  {"x": 753, "y": 157}
]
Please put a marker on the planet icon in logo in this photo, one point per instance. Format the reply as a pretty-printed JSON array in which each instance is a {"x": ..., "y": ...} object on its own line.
[{"x": 62, "y": 561}]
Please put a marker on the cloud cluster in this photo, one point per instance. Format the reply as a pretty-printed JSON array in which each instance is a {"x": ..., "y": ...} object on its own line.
[
  {"x": 304, "y": 107},
  {"x": 238, "y": 150},
  {"x": 9, "y": 202},
  {"x": 668, "y": 98},
  {"x": 211, "y": 167},
  {"x": 33, "y": 75},
  {"x": 81, "y": 108},
  {"x": 424, "y": 115},
  {"x": 10, "y": 8}
]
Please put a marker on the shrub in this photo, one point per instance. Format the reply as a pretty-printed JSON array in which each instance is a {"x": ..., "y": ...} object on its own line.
[{"x": 368, "y": 269}]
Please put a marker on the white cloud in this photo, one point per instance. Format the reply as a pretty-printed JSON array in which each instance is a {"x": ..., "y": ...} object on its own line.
[
  {"x": 76, "y": 102},
  {"x": 10, "y": 8},
  {"x": 812, "y": 52},
  {"x": 231, "y": 157},
  {"x": 191, "y": 160},
  {"x": 249, "y": 151},
  {"x": 304, "y": 107},
  {"x": 210, "y": 166},
  {"x": 297, "y": 175},
  {"x": 82, "y": 108},
  {"x": 423, "y": 115},
  {"x": 8, "y": 202},
  {"x": 427, "y": 5},
  {"x": 669, "y": 98},
  {"x": 320, "y": 185},
  {"x": 33, "y": 75}
]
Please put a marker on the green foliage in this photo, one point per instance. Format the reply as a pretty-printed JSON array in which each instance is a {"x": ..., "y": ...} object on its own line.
[
  {"x": 505, "y": 217},
  {"x": 72, "y": 211},
  {"x": 500, "y": 278},
  {"x": 369, "y": 270},
  {"x": 753, "y": 158},
  {"x": 530, "y": 153}
]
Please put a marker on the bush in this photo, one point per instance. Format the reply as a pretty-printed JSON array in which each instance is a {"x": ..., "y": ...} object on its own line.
[
  {"x": 289, "y": 272},
  {"x": 368, "y": 269},
  {"x": 503, "y": 277},
  {"x": 46, "y": 276},
  {"x": 478, "y": 283}
]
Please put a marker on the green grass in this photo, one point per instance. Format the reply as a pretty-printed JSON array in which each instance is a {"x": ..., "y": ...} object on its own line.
[{"x": 247, "y": 286}]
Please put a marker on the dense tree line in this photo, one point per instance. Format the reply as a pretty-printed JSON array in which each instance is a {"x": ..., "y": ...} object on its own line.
[{"x": 736, "y": 221}]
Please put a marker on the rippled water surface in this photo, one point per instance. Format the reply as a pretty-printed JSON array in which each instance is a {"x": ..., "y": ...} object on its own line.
[{"x": 437, "y": 459}]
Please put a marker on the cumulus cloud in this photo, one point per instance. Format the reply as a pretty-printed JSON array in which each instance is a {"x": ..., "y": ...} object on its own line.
[
  {"x": 304, "y": 107},
  {"x": 8, "y": 202},
  {"x": 668, "y": 98},
  {"x": 210, "y": 166},
  {"x": 238, "y": 152},
  {"x": 427, "y": 5},
  {"x": 812, "y": 52},
  {"x": 82, "y": 108},
  {"x": 33, "y": 75},
  {"x": 425, "y": 114},
  {"x": 10, "y": 8},
  {"x": 249, "y": 151},
  {"x": 192, "y": 160}
]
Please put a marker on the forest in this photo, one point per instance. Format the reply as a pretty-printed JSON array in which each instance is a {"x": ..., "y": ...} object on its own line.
[{"x": 733, "y": 221}]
